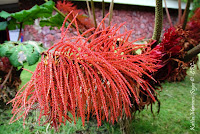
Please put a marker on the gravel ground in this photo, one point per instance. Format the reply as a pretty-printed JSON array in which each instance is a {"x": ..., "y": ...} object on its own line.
[{"x": 138, "y": 18}]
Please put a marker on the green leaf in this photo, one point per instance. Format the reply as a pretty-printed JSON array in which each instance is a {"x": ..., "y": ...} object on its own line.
[
  {"x": 5, "y": 49},
  {"x": 12, "y": 24},
  {"x": 18, "y": 52},
  {"x": 36, "y": 45},
  {"x": 33, "y": 57},
  {"x": 14, "y": 59},
  {"x": 27, "y": 17},
  {"x": 34, "y": 49},
  {"x": 3, "y": 25},
  {"x": 4, "y": 14},
  {"x": 54, "y": 21}
]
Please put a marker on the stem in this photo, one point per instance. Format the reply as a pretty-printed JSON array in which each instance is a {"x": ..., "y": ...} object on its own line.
[
  {"x": 111, "y": 11},
  {"x": 93, "y": 12},
  {"x": 192, "y": 53},
  {"x": 185, "y": 14},
  {"x": 168, "y": 15},
  {"x": 158, "y": 21},
  {"x": 20, "y": 31},
  {"x": 89, "y": 11},
  {"x": 103, "y": 8},
  {"x": 179, "y": 12},
  {"x": 7, "y": 76}
]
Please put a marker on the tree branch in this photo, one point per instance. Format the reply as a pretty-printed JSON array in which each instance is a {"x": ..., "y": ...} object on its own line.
[{"x": 192, "y": 53}]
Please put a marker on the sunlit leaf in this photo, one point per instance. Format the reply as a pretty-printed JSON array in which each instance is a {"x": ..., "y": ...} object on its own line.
[
  {"x": 54, "y": 21},
  {"x": 4, "y": 14},
  {"x": 27, "y": 17}
]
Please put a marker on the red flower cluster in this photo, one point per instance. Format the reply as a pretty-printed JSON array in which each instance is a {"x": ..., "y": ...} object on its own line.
[
  {"x": 173, "y": 47},
  {"x": 194, "y": 26},
  {"x": 94, "y": 76},
  {"x": 170, "y": 43},
  {"x": 83, "y": 21}
]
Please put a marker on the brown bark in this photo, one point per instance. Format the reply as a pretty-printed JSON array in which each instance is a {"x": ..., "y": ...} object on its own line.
[{"x": 192, "y": 53}]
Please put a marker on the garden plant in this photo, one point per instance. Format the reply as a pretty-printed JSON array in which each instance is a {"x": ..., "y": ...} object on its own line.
[{"x": 97, "y": 74}]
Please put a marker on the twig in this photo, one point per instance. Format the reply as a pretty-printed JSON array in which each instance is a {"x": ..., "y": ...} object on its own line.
[
  {"x": 168, "y": 15},
  {"x": 93, "y": 12},
  {"x": 111, "y": 11},
  {"x": 7, "y": 76}
]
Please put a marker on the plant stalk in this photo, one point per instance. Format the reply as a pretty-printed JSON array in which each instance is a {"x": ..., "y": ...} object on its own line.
[
  {"x": 111, "y": 11},
  {"x": 20, "y": 31},
  {"x": 7, "y": 33},
  {"x": 93, "y": 12},
  {"x": 179, "y": 12},
  {"x": 103, "y": 8},
  {"x": 168, "y": 15},
  {"x": 89, "y": 11},
  {"x": 158, "y": 21},
  {"x": 185, "y": 14}
]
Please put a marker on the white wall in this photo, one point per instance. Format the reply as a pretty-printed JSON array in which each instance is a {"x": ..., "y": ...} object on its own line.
[
  {"x": 170, "y": 3},
  {"x": 2, "y": 2}
]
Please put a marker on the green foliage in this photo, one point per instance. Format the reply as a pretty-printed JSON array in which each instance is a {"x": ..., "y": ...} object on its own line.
[
  {"x": 53, "y": 21},
  {"x": 3, "y": 25},
  {"x": 35, "y": 12},
  {"x": 184, "y": 1},
  {"x": 4, "y": 14},
  {"x": 27, "y": 17},
  {"x": 195, "y": 5},
  {"x": 18, "y": 52}
]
